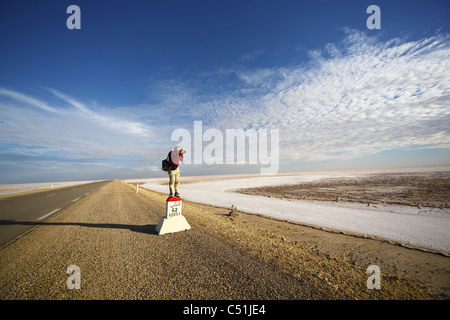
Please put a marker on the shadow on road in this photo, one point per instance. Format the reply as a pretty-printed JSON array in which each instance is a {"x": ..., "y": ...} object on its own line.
[{"x": 147, "y": 228}]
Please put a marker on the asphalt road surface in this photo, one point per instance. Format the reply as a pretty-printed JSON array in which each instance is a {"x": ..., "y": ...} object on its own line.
[
  {"x": 37, "y": 207},
  {"x": 110, "y": 236},
  {"x": 108, "y": 241}
]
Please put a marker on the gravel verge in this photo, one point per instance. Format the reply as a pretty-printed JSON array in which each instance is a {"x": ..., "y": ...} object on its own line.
[{"x": 110, "y": 235}]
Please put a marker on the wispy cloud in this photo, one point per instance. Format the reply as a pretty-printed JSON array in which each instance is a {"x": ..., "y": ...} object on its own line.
[
  {"x": 71, "y": 130},
  {"x": 24, "y": 99},
  {"x": 251, "y": 55},
  {"x": 118, "y": 125},
  {"x": 353, "y": 98},
  {"x": 357, "y": 97}
]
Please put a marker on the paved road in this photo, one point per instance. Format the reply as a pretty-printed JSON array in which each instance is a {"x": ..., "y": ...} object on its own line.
[
  {"x": 37, "y": 207},
  {"x": 110, "y": 236}
]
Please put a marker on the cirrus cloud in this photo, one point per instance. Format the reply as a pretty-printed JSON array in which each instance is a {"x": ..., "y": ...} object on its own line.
[
  {"x": 69, "y": 129},
  {"x": 353, "y": 98},
  {"x": 357, "y": 97}
]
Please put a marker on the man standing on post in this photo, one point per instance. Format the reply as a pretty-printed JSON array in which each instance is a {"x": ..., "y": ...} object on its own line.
[{"x": 174, "y": 158}]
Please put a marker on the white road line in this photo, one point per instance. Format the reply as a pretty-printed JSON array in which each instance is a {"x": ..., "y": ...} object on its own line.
[
  {"x": 51, "y": 194},
  {"x": 75, "y": 199},
  {"x": 49, "y": 214}
]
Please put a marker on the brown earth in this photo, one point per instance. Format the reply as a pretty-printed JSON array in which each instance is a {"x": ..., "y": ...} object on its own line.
[
  {"x": 420, "y": 189},
  {"x": 110, "y": 235}
]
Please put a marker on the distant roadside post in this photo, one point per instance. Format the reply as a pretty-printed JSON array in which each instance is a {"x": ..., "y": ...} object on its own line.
[{"x": 173, "y": 221}]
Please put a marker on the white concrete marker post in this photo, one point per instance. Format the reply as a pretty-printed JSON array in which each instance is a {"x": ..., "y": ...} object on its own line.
[
  {"x": 174, "y": 221},
  {"x": 137, "y": 188}
]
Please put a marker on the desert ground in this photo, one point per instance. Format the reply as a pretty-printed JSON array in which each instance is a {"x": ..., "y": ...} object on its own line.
[
  {"x": 21, "y": 188},
  {"x": 390, "y": 204},
  {"x": 407, "y": 192},
  {"x": 415, "y": 189},
  {"x": 110, "y": 235}
]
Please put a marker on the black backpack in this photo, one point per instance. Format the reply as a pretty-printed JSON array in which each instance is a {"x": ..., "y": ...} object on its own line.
[{"x": 165, "y": 164}]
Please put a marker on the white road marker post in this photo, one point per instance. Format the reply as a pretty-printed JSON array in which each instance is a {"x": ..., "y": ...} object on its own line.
[
  {"x": 173, "y": 221},
  {"x": 137, "y": 188}
]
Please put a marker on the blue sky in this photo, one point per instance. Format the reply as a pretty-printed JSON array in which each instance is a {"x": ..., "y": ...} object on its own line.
[{"x": 102, "y": 102}]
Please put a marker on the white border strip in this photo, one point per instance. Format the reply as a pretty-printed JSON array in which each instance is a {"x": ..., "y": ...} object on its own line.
[{"x": 49, "y": 214}]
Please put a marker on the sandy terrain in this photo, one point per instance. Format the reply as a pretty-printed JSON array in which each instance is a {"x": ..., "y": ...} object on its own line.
[
  {"x": 418, "y": 189},
  {"x": 110, "y": 235},
  {"x": 424, "y": 224},
  {"x": 21, "y": 188}
]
